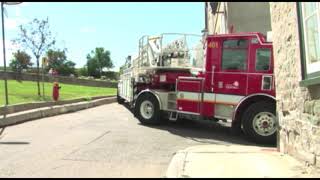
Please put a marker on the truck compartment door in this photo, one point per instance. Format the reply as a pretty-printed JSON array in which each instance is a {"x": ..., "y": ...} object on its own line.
[{"x": 189, "y": 95}]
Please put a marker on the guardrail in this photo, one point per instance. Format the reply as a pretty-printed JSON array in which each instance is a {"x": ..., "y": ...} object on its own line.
[
  {"x": 61, "y": 79},
  {"x": 27, "y": 106}
]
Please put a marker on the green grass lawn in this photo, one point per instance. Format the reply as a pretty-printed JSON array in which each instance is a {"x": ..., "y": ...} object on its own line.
[{"x": 26, "y": 91}]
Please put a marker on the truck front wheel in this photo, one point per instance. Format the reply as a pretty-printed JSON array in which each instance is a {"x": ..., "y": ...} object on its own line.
[
  {"x": 147, "y": 109},
  {"x": 260, "y": 123}
]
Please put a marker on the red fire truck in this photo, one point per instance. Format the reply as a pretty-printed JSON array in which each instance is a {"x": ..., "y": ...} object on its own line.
[{"x": 235, "y": 83}]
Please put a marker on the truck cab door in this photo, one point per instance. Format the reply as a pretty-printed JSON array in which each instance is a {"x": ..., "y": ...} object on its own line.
[
  {"x": 230, "y": 76},
  {"x": 261, "y": 79},
  {"x": 226, "y": 75}
]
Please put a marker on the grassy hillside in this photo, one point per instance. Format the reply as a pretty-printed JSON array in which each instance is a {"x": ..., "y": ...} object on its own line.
[{"x": 26, "y": 91}]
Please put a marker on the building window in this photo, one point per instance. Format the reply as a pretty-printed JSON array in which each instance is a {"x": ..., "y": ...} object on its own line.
[
  {"x": 234, "y": 55},
  {"x": 309, "y": 30}
]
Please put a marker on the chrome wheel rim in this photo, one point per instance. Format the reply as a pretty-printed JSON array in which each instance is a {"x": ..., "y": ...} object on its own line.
[
  {"x": 146, "y": 109},
  {"x": 264, "y": 123}
]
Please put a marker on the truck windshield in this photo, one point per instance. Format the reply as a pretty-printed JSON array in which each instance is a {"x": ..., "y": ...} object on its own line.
[{"x": 234, "y": 55}]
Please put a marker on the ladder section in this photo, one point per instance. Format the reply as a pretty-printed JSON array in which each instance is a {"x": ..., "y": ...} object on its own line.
[
  {"x": 173, "y": 116},
  {"x": 172, "y": 101},
  {"x": 172, "y": 106}
]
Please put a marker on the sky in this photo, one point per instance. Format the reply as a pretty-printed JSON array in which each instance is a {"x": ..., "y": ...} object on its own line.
[{"x": 81, "y": 27}]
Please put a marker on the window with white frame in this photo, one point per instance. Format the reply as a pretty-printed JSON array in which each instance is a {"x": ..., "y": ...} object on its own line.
[{"x": 310, "y": 31}]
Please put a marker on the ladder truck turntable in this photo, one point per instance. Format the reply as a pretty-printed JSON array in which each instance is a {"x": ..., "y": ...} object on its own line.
[{"x": 234, "y": 84}]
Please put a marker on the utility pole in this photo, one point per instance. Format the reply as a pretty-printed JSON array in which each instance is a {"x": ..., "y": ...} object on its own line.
[
  {"x": 44, "y": 63},
  {"x": 4, "y": 50},
  {"x": 4, "y": 57},
  {"x": 43, "y": 97}
]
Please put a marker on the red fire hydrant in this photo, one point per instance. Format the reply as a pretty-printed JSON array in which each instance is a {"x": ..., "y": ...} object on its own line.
[{"x": 55, "y": 91}]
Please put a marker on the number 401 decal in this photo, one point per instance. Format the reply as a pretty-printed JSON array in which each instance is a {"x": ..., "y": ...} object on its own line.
[{"x": 213, "y": 45}]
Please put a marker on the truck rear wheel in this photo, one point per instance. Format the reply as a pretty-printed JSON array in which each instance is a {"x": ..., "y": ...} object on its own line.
[
  {"x": 260, "y": 123},
  {"x": 147, "y": 110}
]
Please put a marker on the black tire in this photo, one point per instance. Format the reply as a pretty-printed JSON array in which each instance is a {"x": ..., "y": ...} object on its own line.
[
  {"x": 236, "y": 129},
  {"x": 267, "y": 110},
  {"x": 155, "y": 115}
]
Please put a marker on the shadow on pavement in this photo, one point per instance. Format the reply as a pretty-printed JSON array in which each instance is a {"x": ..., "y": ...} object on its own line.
[
  {"x": 203, "y": 132},
  {"x": 14, "y": 143}
]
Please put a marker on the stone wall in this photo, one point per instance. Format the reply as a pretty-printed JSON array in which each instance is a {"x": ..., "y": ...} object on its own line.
[
  {"x": 297, "y": 108},
  {"x": 61, "y": 79},
  {"x": 249, "y": 16}
]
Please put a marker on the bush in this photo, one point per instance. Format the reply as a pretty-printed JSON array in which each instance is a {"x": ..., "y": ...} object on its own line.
[
  {"x": 83, "y": 71},
  {"x": 112, "y": 75},
  {"x": 103, "y": 77},
  {"x": 82, "y": 77},
  {"x": 32, "y": 70}
]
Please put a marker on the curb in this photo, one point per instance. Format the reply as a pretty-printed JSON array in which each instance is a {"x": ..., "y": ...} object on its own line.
[
  {"x": 177, "y": 165},
  {"x": 215, "y": 161},
  {"x": 175, "y": 168},
  {"x": 21, "y": 117}
]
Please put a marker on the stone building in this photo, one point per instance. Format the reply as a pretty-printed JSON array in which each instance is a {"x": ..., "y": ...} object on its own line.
[
  {"x": 296, "y": 44},
  {"x": 226, "y": 17}
]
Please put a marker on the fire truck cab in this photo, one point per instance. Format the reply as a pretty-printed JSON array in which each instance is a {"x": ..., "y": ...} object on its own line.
[{"x": 236, "y": 84}]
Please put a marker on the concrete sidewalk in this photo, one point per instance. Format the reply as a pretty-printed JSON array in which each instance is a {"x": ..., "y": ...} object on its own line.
[{"x": 235, "y": 161}]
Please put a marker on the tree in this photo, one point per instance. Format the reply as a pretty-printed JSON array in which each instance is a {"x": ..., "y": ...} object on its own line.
[
  {"x": 93, "y": 68},
  {"x": 68, "y": 68},
  {"x": 98, "y": 60},
  {"x": 21, "y": 60},
  {"x": 121, "y": 69},
  {"x": 83, "y": 71},
  {"x": 57, "y": 60},
  {"x": 36, "y": 37}
]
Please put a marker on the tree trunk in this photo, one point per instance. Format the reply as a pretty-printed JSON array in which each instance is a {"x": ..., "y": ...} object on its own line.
[
  {"x": 38, "y": 77},
  {"x": 19, "y": 76}
]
